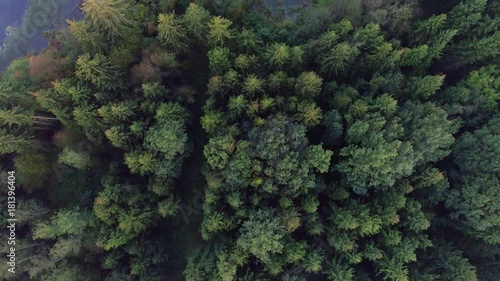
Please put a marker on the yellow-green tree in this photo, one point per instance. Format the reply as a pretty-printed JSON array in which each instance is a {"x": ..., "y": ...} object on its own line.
[{"x": 107, "y": 17}]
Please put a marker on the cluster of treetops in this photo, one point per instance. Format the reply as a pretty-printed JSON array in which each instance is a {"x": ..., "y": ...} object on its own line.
[{"x": 348, "y": 140}]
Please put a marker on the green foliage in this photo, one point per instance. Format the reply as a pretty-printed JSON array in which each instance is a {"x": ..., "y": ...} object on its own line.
[
  {"x": 32, "y": 170},
  {"x": 171, "y": 33},
  {"x": 14, "y": 143},
  {"x": 211, "y": 121},
  {"x": 97, "y": 70},
  {"x": 262, "y": 235},
  {"x": 201, "y": 265},
  {"x": 81, "y": 30},
  {"x": 425, "y": 87},
  {"x": 309, "y": 114},
  {"x": 117, "y": 136},
  {"x": 67, "y": 222},
  {"x": 476, "y": 98},
  {"x": 445, "y": 262},
  {"x": 108, "y": 17},
  {"x": 15, "y": 117},
  {"x": 375, "y": 157},
  {"x": 429, "y": 131},
  {"x": 124, "y": 214},
  {"x": 335, "y": 138},
  {"x": 337, "y": 271},
  {"x": 314, "y": 261},
  {"x": 278, "y": 55},
  {"x": 219, "y": 31},
  {"x": 141, "y": 162},
  {"x": 218, "y": 150},
  {"x": 195, "y": 19},
  {"x": 65, "y": 272},
  {"x": 308, "y": 85},
  {"x": 219, "y": 60},
  {"x": 474, "y": 197},
  {"x": 476, "y": 37},
  {"x": 253, "y": 86},
  {"x": 78, "y": 159},
  {"x": 87, "y": 117}
]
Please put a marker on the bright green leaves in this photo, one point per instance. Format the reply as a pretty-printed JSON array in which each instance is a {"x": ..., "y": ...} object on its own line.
[
  {"x": 237, "y": 105},
  {"x": 141, "y": 162},
  {"x": 486, "y": 81},
  {"x": 278, "y": 55},
  {"x": 15, "y": 117},
  {"x": 413, "y": 218},
  {"x": 423, "y": 88},
  {"x": 378, "y": 171},
  {"x": 219, "y": 31},
  {"x": 68, "y": 228},
  {"x": 108, "y": 17},
  {"x": 171, "y": 33},
  {"x": 153, "y": 90},
  {"x": 338, "y": 59},
  {"x": 309, "y": 114},
  {"x": 242, "y": 166},
  {"x": 283, "y": 156},
  {"x": 375, "y": 157},
  {"x": 168, "y": 207},
  {"x": 99, "y": 71},
  {"x": 87, "y": 117},
  {"x": 213, "y": 222},
  {"x": 273, "y": 192},
  {"x": 78, "y": 159},
  {"x": 262, "y": 235},
  {"x": 468, "y": 33},
  {"x": 104, "y": 24},
  {"x": 226, "y": 266},
  {"x": 171, "y": 111},
  {"x": 168, "y": 138},
  {"x": 275, "y": 161},
  {"x": 338, "y": 271},
  {"x": 118, "y": 112},
  {"x": 91, "y": 41},
  {"x": 393, "y": 269},
  {"x": 165, "y": 143},
  {"x": 466, "y": 15},
  {"x": 218, "y": 150},
  {"x": 195, "y": 19},
  {"x": 334, "y": 56},
  {"x": 314, "y": 261},
  {"x": 211, "y": 121},
  {"x": 308, "y": 85},
  {"x": 117, "y": 136},
  {"x": 248, "y": 41},
  {"x": 253, "y": 86},
  {"x": 430, "y": 27},
  {"x": 383, "y": 147},
  {"x": 68, "y": 222},
  {"x": 319, "y": 158}
]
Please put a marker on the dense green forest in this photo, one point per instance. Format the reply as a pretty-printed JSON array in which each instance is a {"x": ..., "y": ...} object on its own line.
[{"x": 236, "y": 140}]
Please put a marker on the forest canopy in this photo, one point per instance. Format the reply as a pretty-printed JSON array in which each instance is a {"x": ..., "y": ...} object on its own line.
[{"x": 251, "y": 140}]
